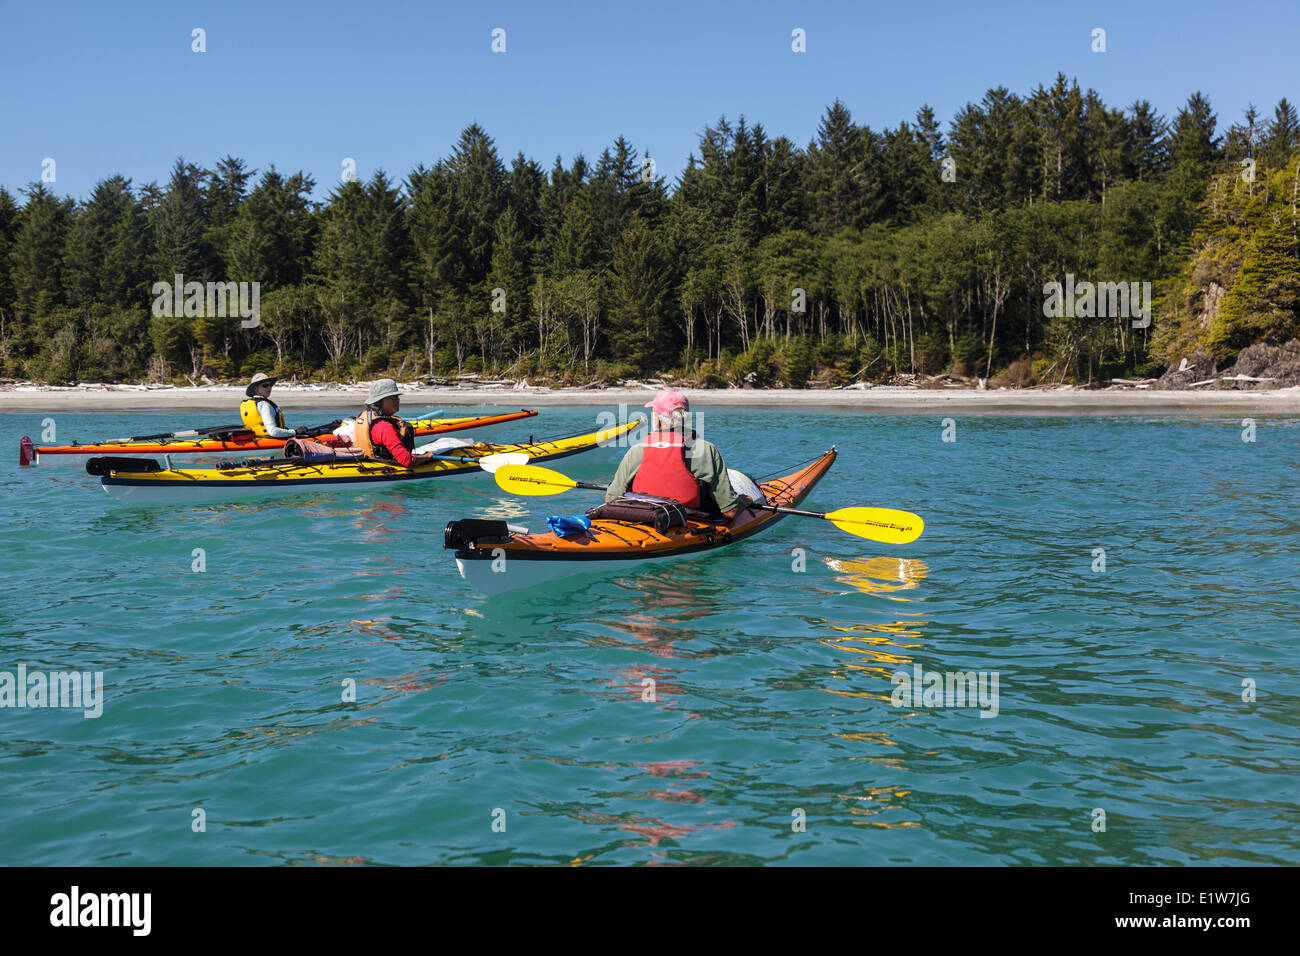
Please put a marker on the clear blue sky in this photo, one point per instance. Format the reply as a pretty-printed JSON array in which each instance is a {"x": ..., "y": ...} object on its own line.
[{"x": 113, "y": 87}]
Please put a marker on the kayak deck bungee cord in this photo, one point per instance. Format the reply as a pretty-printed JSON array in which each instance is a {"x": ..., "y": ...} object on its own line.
[
  {"x": 146, "y": 482},
  {"x": 229, "y": 440},
  {"x": 494, "y": 557}
]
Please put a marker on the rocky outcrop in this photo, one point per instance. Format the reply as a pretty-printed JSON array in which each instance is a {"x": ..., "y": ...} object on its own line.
[
  {"x": 1278, "y": 362},
  {"x": 1258, "y": 366},
  {"x": 1196, "y": 368}
]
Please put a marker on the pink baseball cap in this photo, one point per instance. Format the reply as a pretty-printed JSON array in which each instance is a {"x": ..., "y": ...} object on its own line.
[{"x": 668, "y": 401}]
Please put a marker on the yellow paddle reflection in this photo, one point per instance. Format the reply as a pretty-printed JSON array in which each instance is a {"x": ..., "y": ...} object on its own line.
[
  {"x": 883, "y": 575},
  {"x": 879, "y": 647},
  {"x": 873, "y": 801}
]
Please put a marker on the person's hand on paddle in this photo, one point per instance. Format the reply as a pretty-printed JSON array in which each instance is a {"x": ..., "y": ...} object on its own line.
[{"x": 743, "y": 502}]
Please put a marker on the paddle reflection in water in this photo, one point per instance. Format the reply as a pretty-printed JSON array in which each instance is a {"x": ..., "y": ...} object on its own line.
[
  {"x": 881, "y": 647},
  {"x": 882, "y": 575},
  {"x": 870, "y": 802}
]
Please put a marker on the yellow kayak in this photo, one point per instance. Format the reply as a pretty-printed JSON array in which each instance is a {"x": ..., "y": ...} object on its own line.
[{"x": 234, "y": 480}]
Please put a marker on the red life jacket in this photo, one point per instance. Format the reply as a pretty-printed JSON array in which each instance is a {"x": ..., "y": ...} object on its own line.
[{"x": 663, "y": 472}]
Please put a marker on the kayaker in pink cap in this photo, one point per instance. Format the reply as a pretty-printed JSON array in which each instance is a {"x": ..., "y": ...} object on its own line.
[
  {"x": 673, "y": 462},
  {"x": 668, "y": 401}
]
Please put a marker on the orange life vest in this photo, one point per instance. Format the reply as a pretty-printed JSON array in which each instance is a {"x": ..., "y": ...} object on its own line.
[
  {"x": 663, "y": 472},
  {"x": 361, "y": 435}
]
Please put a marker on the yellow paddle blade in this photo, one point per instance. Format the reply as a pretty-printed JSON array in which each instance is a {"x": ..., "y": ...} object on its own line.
[
  {"x": 533, "y": 480},
  {"x": 878, "y": 524}
]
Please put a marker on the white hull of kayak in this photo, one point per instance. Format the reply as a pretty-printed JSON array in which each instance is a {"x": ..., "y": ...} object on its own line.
[{"x": 519, "y": 575}]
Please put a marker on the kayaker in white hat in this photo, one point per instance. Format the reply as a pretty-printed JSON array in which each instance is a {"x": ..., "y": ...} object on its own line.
[
  {"x": 261, "y": 415},
  {"x": 380, "y": 434},
  {"x": 672, "y": 462}
]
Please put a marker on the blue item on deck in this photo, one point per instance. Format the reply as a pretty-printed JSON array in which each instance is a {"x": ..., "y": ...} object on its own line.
[{"x": 567, "y": 525}]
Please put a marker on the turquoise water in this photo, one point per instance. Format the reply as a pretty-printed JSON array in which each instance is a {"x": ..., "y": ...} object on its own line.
[{"x": 1119, "y": 690}]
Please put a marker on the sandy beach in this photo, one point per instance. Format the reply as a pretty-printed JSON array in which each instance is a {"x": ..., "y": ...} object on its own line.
[{"x": 890, "y": 399}]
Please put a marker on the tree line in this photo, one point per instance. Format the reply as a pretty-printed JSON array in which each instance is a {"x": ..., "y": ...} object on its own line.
[{"x": 864, "y": 255}]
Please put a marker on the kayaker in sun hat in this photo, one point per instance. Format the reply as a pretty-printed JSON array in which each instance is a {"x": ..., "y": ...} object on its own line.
[
  {"x": 673, "y": 462},
  {"x": 261, "y": 415},
  {"x": 380, "y": 434}
]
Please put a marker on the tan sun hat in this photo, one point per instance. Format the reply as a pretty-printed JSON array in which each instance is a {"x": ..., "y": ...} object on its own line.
[{"x": 261, "y": 378}]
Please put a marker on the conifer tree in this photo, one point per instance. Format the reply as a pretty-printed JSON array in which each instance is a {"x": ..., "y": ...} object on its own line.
[{"x": 1282, "y": 140}]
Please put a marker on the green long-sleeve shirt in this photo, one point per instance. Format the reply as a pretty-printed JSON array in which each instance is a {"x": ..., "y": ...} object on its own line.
[{"x": 702, "y": 458}]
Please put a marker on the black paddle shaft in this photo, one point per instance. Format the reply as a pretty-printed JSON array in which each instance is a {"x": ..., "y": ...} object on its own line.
[
  {"x": 198, "y": 431},
  {"x": 789, "y": 511},
  {"x": 323, "y": 429}
]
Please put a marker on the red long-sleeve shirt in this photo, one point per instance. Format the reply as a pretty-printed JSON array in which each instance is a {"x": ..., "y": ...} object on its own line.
[{"x": 383, "y": 433}]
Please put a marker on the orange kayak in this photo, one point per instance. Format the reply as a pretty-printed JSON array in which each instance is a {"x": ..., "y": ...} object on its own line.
[
  {"x": 494, "y": 557},
  {"x": 232, "y": 441}
]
